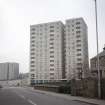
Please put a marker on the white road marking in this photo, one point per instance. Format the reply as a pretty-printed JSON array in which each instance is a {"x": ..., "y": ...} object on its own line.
[
  {"x": 22, "y": 96},
  {"x": 31, "y": 102}
]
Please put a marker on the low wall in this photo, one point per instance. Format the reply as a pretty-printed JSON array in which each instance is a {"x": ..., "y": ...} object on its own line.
[
  {"x": 54, "y": 88},
  {"x": 19, "y": 82},
  {"x": 10, "y": 83},
  {"x": 47, "y": 88}
]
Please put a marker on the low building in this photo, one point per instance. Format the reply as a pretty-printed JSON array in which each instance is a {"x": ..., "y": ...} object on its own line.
[
  {"x": 93, "y": 61},
  {"x": 24, "y": 77},
  {"x": 22, "y": 80}
]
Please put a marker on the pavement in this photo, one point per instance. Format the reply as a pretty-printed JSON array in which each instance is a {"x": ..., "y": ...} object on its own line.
[
  {"x": 29, "y": 96},
  {"x": 74, "y": 98}
]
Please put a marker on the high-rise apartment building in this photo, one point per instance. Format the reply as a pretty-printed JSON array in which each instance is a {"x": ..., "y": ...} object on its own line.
[
  {"x": 9, "y": 71},
  {"x": 76, "y": 47},
  {"x": 46, "y": 51},
  {"x": 58, "y": 50},
  {"x": 13, "y": 71},
  {"x": 3, "y": 71}
]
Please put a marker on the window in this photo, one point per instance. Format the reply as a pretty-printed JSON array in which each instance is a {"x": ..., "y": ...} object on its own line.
[
  {"x": 32, "y": 62},
  {"x": 51, "y": 51},
  {"x": 32, "y": 29},
  {"x": 78, "y": 40},
  {"x": 41, "y": 26},
  {"x": 33, "y": 37},
  {"x": 51, "y": 39},
  {"x": 32, "y": 45},
  {"x": 79, "y": 59},
  {"x": 79, "y": 68},
  {"x": 57, "y": 27},
  {"x": 78, "y": 45},
  {"x": 32, "y": 49},
  {"x": 51, "y": 56},
  {"x": 32, "y": 57},
  {"x": 32, "y": 75},
  {"x": 51, "y": 60},
  {"x": 51, "y": 69},
  {"x": 51, "y": 30},
  {"x": 79, "y": 64},
  {"x": 32, "y": 65},
  {"x": 52, "y": 78},
  {"x": 51, "y": 43},
  {"x": 68, "y": 30},
  {"x": 72, "y": 33},
  {"x": 77, "y": 27},
  {"x": 52, "y": 65},
  {"x": 77, "y": 23},
  {"x": 51, "y": 47},
  {"x": 79, "y": 54},
  {"x": 51, "y": 73},
  {"x": 78, "y": 49},
  {"x": 32, "y": 53},
  {"x": 45, "y": 29},
  {"x": 51, "y": 26},
  {"x": 32, "y": 33},
  {"x": 32, "y": 41},
  {"x": 78, "y": 36},
  {"x": 51, "y": 34},
  {"x": 32, "y": 69},
  {"x": 78, "y": 32}
]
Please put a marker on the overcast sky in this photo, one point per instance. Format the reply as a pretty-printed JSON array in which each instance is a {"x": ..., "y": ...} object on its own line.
[{"x": 16, "y": 16}]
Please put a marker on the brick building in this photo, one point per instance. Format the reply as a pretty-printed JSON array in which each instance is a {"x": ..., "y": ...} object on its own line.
[{"x": 93, "y": 62}]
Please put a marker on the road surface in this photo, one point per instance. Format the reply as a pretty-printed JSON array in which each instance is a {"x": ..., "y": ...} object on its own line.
[{"x": 25, "y": 96}]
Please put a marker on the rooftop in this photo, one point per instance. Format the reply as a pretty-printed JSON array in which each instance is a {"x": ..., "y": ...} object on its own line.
[{"x": 100, "y": 54}]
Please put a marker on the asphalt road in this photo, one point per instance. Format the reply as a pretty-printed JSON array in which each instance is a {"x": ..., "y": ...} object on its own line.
[{"x": 24, "y": 96}]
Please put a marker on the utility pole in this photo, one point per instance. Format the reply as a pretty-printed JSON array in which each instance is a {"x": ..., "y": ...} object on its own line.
[
  {"x": 7, "y": 73},
  {"x": 98, "y": 68}
]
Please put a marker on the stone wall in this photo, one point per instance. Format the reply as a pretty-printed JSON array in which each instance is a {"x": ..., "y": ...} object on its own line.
[
  {"x": 87, "y": 88},
  {"x": 94, "y": 70}
]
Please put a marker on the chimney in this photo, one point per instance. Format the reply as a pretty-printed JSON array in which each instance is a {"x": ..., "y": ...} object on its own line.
[{"x": 104, "y": 47}]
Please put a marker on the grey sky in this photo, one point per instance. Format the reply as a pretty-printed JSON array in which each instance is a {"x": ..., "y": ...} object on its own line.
[{"x": 16, "y": 16}]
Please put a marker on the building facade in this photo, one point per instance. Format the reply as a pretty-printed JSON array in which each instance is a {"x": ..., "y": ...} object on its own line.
[
  {"x": 3, "y": 71},
  {"x": 93, "y": 62},
  {"x": 46, "y": 51},
  {"x": 58, "y": 51},
  {"x": 9, "y": 71},
  {"x": 76, "y": 47}
]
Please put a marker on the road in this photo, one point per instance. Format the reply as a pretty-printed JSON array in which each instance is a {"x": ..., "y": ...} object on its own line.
[{"x": 25, "y": 96}]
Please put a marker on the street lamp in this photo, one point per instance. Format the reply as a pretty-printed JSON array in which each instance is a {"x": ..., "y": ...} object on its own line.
[{"x": 99, "y": 78}]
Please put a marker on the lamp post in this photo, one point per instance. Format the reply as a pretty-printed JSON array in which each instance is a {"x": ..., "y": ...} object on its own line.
[{"x": 99, "y": 78}]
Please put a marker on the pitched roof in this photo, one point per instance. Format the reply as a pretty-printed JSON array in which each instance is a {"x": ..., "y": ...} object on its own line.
[{"x": 100, "y": 54}]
